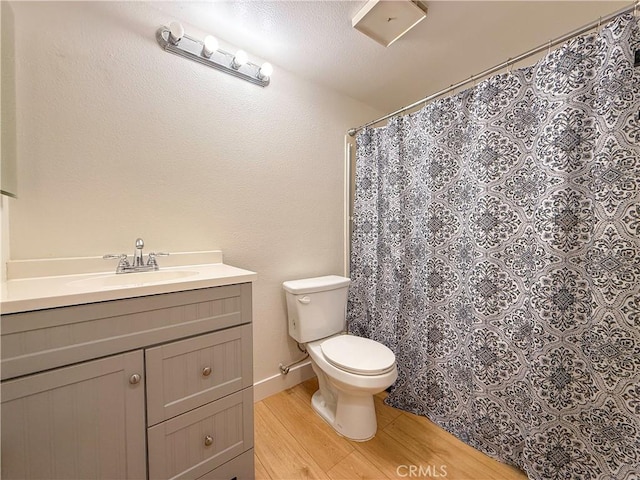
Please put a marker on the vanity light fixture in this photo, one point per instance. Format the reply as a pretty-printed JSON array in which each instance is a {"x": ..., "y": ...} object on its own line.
[
  {"x": 172, "y": 39},
  {"x": 265, "y": 71},
  {"x": 239, "y": 60},
  {"x": 209, "y": 46},
  {"x": 176, "y": 32}
]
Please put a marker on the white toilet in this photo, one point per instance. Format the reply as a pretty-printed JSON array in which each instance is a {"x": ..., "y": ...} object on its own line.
[{"x": 350, "y": 369}]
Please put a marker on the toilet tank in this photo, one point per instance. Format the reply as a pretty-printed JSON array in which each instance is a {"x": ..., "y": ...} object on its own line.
[{"x": 316, "y": 307}]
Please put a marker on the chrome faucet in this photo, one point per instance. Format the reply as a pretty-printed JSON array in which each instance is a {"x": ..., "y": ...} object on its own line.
[
  {"x": 137, "y": 264},
  {"x": 138, "y": 261}
]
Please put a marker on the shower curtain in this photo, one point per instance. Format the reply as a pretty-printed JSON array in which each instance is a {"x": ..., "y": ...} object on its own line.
[{"x": 496, "y": 251}]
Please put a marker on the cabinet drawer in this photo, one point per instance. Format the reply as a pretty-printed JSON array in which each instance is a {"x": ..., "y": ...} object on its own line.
[
  {"x": 240, "y": 468},
  {"x": 193, "y": 444},
  {"x": 189, "y": 373}
]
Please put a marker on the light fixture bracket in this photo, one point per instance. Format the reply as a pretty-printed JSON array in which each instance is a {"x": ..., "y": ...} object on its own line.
[{"x": 191, "y": 48}]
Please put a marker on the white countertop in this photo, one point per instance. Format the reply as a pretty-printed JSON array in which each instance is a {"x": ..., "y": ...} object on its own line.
[{"x": 36, "y": 293}]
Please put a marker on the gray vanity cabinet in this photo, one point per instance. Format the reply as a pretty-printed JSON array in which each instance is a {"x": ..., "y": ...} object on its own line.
[{"x": 150, "y": 387}]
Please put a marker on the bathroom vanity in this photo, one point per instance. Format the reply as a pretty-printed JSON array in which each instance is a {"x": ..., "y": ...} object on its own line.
[{"x": 150, "y": 380}]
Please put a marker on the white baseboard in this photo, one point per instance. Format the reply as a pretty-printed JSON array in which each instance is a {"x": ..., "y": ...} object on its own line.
[{"x": 272, "y": 385}]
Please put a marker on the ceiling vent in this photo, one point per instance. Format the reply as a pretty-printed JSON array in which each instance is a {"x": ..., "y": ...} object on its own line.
[{"x": 386, "y": 21}]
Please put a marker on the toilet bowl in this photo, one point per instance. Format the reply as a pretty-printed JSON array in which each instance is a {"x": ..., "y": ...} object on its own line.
[
  {"x": 350, "y": 369},
  {"x": 345, "y": 398}
]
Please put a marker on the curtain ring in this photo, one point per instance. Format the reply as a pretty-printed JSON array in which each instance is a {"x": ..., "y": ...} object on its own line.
[
  {"x": 599, "y": 24},
  {"x": 549, "y": 48},
  {"x": 509, "y": 66}
]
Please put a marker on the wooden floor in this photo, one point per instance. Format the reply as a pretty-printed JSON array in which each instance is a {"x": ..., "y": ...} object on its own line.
[{"x": 293, "y": 442}]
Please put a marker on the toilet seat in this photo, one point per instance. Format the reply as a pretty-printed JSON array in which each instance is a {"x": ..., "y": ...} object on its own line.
[{"x": 358, "y": 355}]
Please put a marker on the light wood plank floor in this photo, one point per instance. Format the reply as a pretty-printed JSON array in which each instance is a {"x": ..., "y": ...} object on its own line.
[{"x": 293, "y": 442}]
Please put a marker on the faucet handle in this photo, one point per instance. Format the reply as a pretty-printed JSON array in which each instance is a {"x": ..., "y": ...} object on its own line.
[
  {"x": 123, "y": 262},
  {"x": 121, "y": 256},
  {"x": 158, "y": 254},
  {"x": 152, "y": 258}
]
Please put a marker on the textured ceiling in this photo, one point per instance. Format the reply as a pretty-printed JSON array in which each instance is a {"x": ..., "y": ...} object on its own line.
[{"x": 315, "y": 40}]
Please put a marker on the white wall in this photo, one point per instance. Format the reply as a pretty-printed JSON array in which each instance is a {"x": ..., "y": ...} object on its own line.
[
  {"x": 8, "y": 114},
  {"x": 118, "y": 139},
  {"x": 7, "y": 93},
  {"x": 4, "y": 237}
]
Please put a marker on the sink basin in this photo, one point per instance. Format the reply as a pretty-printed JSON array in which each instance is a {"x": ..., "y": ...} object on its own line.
[{"x": 133, "y": 279}]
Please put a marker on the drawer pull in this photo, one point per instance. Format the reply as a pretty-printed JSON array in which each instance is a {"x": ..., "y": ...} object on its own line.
[
  {"x": 208, "y": 440},
  {"x": 135, "y": 378},
  {"x": 206, "y": 371}
]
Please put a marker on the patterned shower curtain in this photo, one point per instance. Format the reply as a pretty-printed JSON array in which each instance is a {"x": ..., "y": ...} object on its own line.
[{"x": 496, "y": 251}]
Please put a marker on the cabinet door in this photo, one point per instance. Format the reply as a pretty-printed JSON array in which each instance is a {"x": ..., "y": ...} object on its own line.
[{"x": 83, "y": 421}]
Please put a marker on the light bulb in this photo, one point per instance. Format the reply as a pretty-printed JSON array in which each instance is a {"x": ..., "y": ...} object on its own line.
[
  {"x": 210, "y": 46},
  {"x": 176, "y": 32},
  {"x": 240, "y": 59},
  {"x": 266, "y": 70}
]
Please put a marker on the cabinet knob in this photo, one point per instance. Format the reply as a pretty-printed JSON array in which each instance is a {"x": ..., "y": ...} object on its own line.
[
  {"x": 206, "y": 371},
  {"x": 135, "y": 378},
  {"x": 208, "y": 440}
]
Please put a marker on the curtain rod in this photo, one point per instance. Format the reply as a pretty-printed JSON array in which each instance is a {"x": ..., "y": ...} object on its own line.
[{"x": 508, "y": 63}]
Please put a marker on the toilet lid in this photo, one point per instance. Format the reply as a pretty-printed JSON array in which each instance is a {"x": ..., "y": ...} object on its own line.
[{"x": 358, "y": 355}]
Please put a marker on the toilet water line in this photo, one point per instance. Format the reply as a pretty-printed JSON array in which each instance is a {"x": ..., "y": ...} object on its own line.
[{"x": 284, "y": 369}]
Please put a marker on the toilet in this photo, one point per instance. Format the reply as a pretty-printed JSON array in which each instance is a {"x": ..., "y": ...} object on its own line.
[{"x": 350, "y": 369}]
